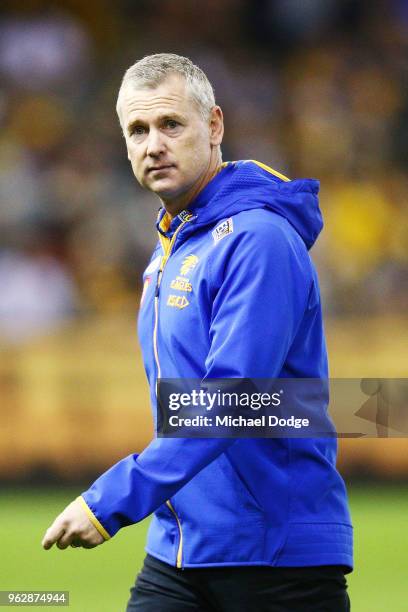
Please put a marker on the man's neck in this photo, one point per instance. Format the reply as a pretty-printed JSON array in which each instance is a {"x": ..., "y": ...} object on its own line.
[{"x": 176, "y": 205}]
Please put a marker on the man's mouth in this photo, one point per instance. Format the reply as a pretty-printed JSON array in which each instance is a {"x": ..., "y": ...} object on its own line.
[{"x": 159, "y": 168}]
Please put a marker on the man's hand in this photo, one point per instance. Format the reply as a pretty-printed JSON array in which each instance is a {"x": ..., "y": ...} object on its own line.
[{"x": 72, "y": 527}]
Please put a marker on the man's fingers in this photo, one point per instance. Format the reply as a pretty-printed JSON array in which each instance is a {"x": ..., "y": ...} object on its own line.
[
  {"x": 65, "y": 540},
  {"x": 72, "y": 526},
  {"x": 89, "y": 544},
  {"x": 52, "y": 535}
]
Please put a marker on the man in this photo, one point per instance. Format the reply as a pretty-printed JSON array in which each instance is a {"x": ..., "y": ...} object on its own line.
[{"x": 230, "y": 292}]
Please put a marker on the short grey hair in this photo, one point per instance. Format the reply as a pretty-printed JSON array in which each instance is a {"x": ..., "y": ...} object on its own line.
[{"x": 152, "y": 70}]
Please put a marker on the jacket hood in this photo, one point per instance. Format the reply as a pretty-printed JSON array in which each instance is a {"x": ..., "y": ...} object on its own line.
[{"x": 247, "y": 184}]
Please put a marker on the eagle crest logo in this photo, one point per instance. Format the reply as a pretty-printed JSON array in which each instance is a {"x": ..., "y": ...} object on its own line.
[{"x": 189, "y": 263}]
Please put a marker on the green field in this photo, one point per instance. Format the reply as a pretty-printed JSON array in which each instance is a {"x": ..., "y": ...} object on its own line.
[{"x": 99, "y": 579}]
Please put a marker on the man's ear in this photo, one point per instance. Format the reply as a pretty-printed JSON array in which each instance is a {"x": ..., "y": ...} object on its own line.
[{"x": 216, "y": 123}]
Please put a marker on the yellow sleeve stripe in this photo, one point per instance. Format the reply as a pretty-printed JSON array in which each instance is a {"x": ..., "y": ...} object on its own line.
[
  {"x": 93, "y": 519},
  {"x": 271, "y": 170}
]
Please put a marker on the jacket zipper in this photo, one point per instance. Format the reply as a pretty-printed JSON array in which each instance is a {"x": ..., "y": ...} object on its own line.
[
  {"x": 180, "y": 546},
  {"x": 167, "y": 247}
]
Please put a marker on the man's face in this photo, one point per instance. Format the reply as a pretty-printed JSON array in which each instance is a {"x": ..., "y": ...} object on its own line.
[{"x": 168, "y": 141}]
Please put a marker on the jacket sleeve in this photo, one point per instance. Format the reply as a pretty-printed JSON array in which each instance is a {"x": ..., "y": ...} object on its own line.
[{"x": 261, "y": 286}]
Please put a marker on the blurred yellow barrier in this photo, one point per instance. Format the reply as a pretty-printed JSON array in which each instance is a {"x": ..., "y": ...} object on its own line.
[{"x": 73, "y": 402}]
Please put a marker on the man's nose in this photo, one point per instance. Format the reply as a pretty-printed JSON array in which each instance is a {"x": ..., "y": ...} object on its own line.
[{"x": 155, "y": 143}]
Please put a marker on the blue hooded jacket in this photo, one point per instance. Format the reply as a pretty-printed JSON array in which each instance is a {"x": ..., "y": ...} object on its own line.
[{"x": 231, "y": 292}]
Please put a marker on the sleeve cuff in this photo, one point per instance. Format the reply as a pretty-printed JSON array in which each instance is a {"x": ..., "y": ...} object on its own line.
[{"x": 97, "y": 524}]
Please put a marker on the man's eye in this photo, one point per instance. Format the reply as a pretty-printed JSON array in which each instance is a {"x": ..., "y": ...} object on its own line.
[
  {"x": 138, "y": 130},
  {"x": 171, "y": 124}
]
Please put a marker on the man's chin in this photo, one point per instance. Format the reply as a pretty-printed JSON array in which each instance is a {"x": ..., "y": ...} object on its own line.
[{"x": 165, "y": 189}]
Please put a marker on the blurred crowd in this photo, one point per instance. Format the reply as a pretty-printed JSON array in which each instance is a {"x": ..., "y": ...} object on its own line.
[{"x": 314, "y": 88}]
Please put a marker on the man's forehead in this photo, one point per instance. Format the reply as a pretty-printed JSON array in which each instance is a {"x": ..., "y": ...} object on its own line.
[{"x": 172, "y": 93}]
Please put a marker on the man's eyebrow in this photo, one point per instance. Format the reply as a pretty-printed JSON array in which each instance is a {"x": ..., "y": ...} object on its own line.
[
  {"x": 133, "y": 124},
  {"x": 172, "y": 115}
]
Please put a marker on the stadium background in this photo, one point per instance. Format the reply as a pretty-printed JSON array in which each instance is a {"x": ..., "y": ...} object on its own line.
[{"x": 312, "y": 88}]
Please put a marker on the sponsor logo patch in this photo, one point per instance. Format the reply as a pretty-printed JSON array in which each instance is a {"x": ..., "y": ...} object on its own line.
[
  {"x": 189, "y": 263},
  {"x": 177, "y": 301},
  {"x": 223, "y": 229}
]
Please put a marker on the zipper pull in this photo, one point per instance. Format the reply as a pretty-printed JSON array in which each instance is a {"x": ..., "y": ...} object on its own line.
[{"x": 156, "y": 293}]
